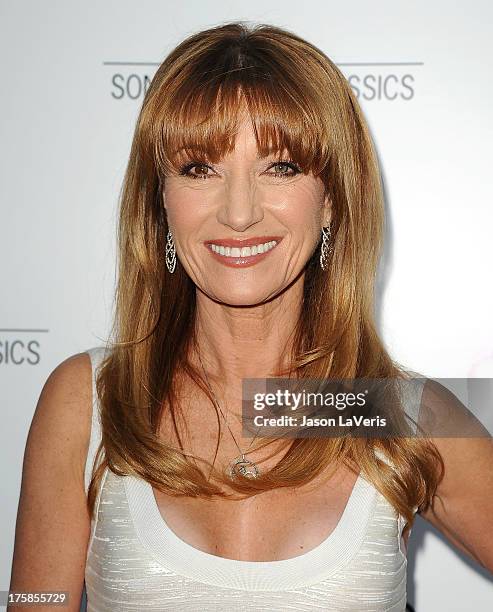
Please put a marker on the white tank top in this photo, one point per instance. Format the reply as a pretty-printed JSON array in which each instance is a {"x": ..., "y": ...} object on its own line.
[{"x": 135, "y": 562}]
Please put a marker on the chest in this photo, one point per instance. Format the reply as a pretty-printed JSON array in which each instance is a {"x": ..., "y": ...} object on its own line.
[
  {"x": 133, "y": 557},
  {"x": 272, "y": 525}
]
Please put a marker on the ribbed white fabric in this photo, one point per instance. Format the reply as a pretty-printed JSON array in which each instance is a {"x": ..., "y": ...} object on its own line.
[{"x": 136, "y": 562}]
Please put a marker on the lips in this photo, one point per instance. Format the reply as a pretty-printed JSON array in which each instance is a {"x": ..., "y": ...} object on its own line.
[
  {"x": 241, "y": 261},
  {"x": 238, "y": 243}
]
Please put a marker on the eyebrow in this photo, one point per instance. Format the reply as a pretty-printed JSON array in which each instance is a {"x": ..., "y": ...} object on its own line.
[{"x": 202, "y": 151}]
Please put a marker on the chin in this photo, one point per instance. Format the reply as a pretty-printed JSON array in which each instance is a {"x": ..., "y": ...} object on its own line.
[{"x": 248, "y": 297}]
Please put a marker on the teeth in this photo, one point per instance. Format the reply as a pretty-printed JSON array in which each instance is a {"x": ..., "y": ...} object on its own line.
[{"x": 244, "y": 251}]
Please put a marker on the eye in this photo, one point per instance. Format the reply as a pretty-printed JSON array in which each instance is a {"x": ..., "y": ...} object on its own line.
[
  {"x": 283, "y": 168},
  {"x": 203, "y": 170}
]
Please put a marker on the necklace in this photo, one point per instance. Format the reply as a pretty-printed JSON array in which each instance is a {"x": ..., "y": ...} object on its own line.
[{"x": 239, "y": 465}]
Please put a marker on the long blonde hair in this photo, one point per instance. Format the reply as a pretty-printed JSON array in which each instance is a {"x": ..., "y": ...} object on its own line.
[{"x": 298, "y": 100}]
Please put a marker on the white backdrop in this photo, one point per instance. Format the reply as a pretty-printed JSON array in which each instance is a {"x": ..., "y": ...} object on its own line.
[{"x": 73, "y": 77}]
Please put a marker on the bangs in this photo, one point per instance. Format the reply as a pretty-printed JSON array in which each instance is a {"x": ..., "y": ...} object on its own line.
[{"x": 200, "y": 110}]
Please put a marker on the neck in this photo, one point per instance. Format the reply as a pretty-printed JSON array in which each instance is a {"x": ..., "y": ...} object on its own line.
[{"x": 237, "y": 342}]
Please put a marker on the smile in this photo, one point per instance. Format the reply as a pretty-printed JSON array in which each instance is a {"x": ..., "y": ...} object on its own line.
[
  {"x": 245, "y": 251},
  {"x": 241, "y": 256}
]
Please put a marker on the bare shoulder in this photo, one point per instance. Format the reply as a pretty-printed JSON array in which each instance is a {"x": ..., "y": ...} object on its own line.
[
  {"x": 53, "y": 523},
  {"x": 64, "y": 410},
  {"x": 463, "y": 504}
]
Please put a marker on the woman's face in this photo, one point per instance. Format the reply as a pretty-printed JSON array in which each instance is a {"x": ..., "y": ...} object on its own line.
[{"x": 243, "y": 198}]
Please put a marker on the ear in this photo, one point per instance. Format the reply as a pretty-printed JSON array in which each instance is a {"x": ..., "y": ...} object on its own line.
[
  {"x": 327, "y": 210},
  {"x": 161, "y": 191}
]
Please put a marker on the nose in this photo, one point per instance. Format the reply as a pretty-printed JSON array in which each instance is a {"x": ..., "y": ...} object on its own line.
[{"x": 241, "y": 205}]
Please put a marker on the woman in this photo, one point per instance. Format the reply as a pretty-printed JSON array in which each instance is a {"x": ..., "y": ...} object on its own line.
[{"x": 250, "y": 229}]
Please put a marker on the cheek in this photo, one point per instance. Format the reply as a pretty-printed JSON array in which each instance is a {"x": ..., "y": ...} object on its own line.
[
  {"x": 184, "y": 210},
  {"x": 302, "y": 209},
  {"x": 297, "y": 206}
]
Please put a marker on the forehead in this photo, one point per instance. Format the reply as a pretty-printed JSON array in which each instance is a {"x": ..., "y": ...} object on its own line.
[
  {"x": 245, "y": 137},
  {"x": 244, "y": 146},
  {"x": 236, "y": 132}
]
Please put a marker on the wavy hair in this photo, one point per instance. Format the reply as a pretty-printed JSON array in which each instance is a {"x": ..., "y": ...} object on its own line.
[{"x": 298, "y": 101}]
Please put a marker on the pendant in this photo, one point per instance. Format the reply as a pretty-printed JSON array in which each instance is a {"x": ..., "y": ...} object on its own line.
[{"x": 245, "y": 467}]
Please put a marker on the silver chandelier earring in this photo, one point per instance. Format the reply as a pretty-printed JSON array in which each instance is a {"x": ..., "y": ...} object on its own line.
[
  {"x": 325, "y": 249},
  {"x": 170, "y": 252}
]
